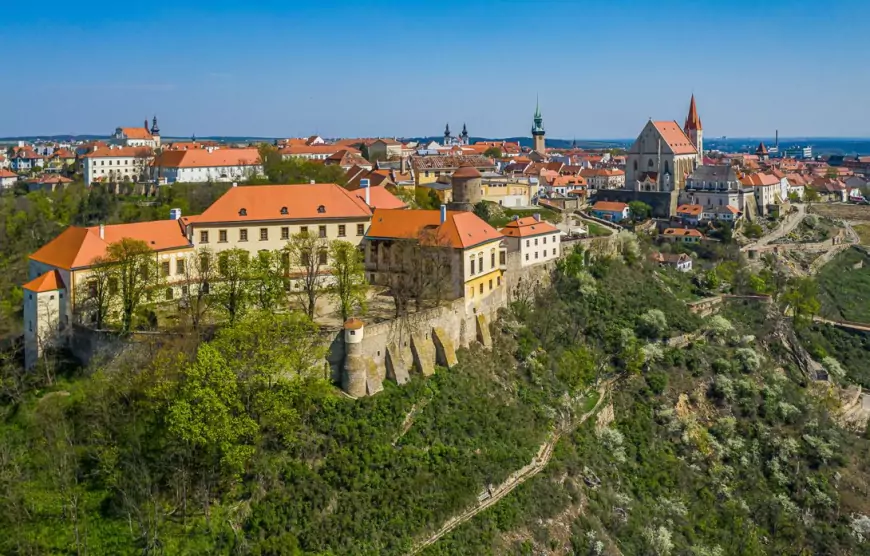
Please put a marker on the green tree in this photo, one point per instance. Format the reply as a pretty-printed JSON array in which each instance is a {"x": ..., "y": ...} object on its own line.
[
  {"x": 233, "y": 288},
  {"x": 801, "y": 295},
  {"x": 811, "y": 195},
  {"x": 297, "y": 170},
  {"x": 753, "y": 230},
  {"x": 308, "y": 256},
  {"x": 349, "y": 286},
  {"x": 200, "y": 274},
  {"x": 267, "y": 281},
  {"x": 133, "y": 266},
  {"x": 493, "y": 152},
  {"x": 639, "y": 210}
]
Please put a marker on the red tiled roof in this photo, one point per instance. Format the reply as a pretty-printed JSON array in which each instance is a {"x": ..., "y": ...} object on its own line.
[
  {"x": 683, "y": 232},
  {"x": 4, "y": 173},
  {"x": 759, "y": 179},
  {"x": 609, "y": 206},
  {"x": 527, "y": 227},
  {"x": 119, "y": 152},
  {"x": 203, "y": 158},
  {"x": 675, "y": 137},
  {"x": 691, "y": 210},
  {"x": 379, "y": 197},
  {"x": 136, "y": 133},
  {"x": 78, "y": 247},
  {"x": 49, "y": 281},
  {"x": 319, "y": 201},
  {"x": 466, "y": 170},
  {"x": 460, "y": 230}
]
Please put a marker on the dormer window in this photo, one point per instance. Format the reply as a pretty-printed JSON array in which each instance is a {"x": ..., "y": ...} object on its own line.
[
  {"x": 321, "y": 209},
  {"x": 243, "y": 212},
  {"x": 284, "y": 210}
]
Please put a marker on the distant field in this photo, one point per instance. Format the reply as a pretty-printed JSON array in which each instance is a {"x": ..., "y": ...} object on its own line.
[
  {"x": 845, "y": 290},
  {"x": 843, "y": 212}
]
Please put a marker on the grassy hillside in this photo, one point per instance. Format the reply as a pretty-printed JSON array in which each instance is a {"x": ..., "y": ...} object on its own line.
[
  {"x": 845, "y": 290},
  {"x": 236, "y": 446}
]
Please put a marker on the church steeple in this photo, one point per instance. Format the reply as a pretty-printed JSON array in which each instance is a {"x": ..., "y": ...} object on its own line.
[
  {"x": 447, "y": 134},
  {"x": 695, "y": 131},
  {"x": 538, "y": 132},
  {"x": 155, "y": 130},
  {"x": 464, "y": 134}
]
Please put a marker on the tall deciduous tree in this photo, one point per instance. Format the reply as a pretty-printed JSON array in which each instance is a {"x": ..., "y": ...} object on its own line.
[
  {"x": 134, "y": 266},
  {"x": 801, "y": 295},
  {"x": 233, "y": 288},
  {"x": 349, "y": 286},
  {"x": 267, "y": 281},
  {"x": 200, "y": 276},
  {"x": 308, "y": 257},
  {"x": 95, "y": 293}
]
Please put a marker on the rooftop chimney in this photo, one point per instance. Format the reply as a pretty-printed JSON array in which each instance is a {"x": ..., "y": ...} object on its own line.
[
  {"x": 313, "y": 182},
  {"x": 102, "y": 231},
  {"x": 537, "y": 216},
  {"x": 443, "y": 214}
]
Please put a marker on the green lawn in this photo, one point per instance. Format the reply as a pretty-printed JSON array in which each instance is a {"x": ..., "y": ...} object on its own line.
[
  {"x": 597, "y": 230},
  {"x": 546, "y": 214},
  {"x": 863, "y": 231},
  {"x": 843, "y": 289}
]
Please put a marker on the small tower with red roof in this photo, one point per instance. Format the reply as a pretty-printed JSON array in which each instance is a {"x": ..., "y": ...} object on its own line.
[{"x": 694, "y": 130}]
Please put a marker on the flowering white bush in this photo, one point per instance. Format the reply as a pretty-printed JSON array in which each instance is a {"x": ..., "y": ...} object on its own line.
[
  {"x": 658, "y": 540},
  {"x": 612, "y": 440},
  {"x": 586, "y": 283},
  {"x": 860, "y": 527},
  {"x": 653, "y": 352},
  {"x": 720, "y": 327},
  {"x": 748, "y": 358},
  {"x": 652, "y": 324}
]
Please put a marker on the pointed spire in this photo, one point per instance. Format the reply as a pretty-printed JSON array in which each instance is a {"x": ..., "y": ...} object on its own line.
[
  {"x": 693, "y": 121},
  {"x": 537, "y": 107},
  {"x": 447, "y": 130}
]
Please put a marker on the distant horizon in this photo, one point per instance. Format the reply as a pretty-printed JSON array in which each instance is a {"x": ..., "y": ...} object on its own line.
[
  {"x": 473, "y": 138},
  {"x": 293, "y": 68}
]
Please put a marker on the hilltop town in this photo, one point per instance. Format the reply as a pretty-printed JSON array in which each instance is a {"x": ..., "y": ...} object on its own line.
[{"x": 381, "y": 346}]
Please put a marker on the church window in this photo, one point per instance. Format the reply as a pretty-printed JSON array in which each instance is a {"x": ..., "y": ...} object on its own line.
[
  {"x": 649, "y": 163},
  {"x": 667, "y": 167},
  {"x": 635, "y": 165}
]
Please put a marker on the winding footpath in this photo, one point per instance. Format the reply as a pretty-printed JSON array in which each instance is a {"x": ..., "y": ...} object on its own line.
[{"x": 538, "y": 463}]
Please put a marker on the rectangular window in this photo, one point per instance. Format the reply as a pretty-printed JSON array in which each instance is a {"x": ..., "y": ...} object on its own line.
[
  {"x": 303, "y": 229},
  {"x": 528, "y": 243},
  {"x": 545, "y": 240},
  {"x": 321, "y": 256},
  {"x": 341, "y": 230},
  {"x": 223, "y": 263},
  {"x": 203, "y": 237},
  {"x": 554, "y": 251},
  {"x": 527, "y": 256},
  {"x": 321, "y": 231},
  {"x": 501, "y": 257},
  {"x": 204, "y": 262},
  {"x": 480, "y": 262},
  {"x": 498, "y": 280},
  {"x": 164, "y": 268},
  {"x": 264, "y": 234},
  {"x": 285, "y": 262},
  {"x": 243, "y": 234},
  {"x": 205, "y": 288},
  {"x": 360, "y": 229},
  {"x": 481, "y": 289},
  {"x": 305, "y": 258},
  {"x": 536, "y": 254},
  {"x": 285, "y": 233},
  {"x": 490, "y": 285},
  {"x": 222, "y": 236},
  {"x": 472, "y": 266},
  {"x": 492, "y": 259},
  {"x": 179, "y": 266},
  {"x": 185, "y": 290},
  {"x": 536, "y": 241}
]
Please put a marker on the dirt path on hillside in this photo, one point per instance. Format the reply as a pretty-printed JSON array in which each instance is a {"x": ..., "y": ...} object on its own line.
[{"x": 539, "y": 462}]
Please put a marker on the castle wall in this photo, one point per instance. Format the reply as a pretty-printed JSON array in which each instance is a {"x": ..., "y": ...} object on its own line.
[{"x": 664, "y": 204}]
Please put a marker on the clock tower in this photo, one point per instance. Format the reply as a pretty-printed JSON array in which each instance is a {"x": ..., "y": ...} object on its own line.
[{"x": 538, "y": 132}]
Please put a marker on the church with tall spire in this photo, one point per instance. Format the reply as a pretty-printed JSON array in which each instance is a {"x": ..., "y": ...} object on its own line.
[
  {"x": 538, "y": 133},
  {"x": 694, "y": 131}
]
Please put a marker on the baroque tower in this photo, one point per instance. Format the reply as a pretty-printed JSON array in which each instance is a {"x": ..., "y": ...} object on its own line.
[
  {"x": 695, "y": 131},
  {"x": 538, "y": 133}
]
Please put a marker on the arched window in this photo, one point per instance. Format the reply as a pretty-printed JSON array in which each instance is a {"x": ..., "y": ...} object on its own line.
[
  {"x": 168, "y": 294},
  {"x": 649, "y": 163},
  {"x": 667, "y": 167},
  {"x": 635, "y": 165}
]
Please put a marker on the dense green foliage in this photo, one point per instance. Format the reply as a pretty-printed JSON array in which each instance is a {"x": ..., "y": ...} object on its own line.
[
  {"x": 850, "y": 348},
  {"x": 239, "y": 445}
]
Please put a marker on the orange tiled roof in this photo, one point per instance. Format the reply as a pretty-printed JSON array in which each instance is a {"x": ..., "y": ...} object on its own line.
[
  {"x": 4, "y": 173},
  {"x": 606, "y": 172},
  {"x": 50, "y": 281},
  {"x": 527, "y": 227},
  {"x": 759, "y": 179},
  {"x": 675, "y": 137},
  {"x": 609, "y": 206},
  {"x": 203, "y": 158},
  {"x": 316, "y": 149},
  {"x": 683, "y": 232},
  {"x": 379, "y": 197},
  {"x": 692, "y": 210},
  {"x": 461, "y": 230},
  {"x": 136, "y": 133},
  {"x": 78, "y": 247},
  {"x": 303, "y": 201},
  {"x": 114, "y": 151}
]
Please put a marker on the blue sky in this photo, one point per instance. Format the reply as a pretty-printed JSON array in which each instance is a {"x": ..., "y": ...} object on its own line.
[{"x": 341, "y": 68}]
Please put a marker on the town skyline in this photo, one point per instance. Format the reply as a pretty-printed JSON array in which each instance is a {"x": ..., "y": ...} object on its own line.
[{"x": 297, "y": 70}]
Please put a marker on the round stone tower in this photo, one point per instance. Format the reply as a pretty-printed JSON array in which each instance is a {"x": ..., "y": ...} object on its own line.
[
  {"x": 467, "y": 188},
  {"x": 353, "y": 380}
]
